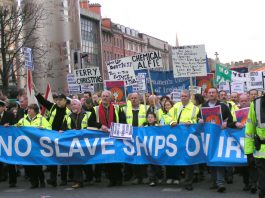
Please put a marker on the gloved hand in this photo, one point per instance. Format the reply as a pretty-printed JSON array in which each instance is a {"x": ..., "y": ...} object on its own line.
[{"x": 251, "y": 160}]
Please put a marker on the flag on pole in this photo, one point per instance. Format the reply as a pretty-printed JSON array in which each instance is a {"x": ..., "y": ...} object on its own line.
[
  {"x": 30, "y": 91},
  {"x": 47, "y": 96},
  {"x": 222, "y": 73}
]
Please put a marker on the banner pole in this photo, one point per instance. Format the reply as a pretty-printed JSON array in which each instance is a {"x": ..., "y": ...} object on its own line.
[
  {"x": 150, "y": 80},
  {"x": 191, "y": 87},
  {"x": 152, "y": 90}
]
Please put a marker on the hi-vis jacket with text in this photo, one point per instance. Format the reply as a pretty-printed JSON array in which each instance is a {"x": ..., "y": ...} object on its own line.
[
  {"x": 39, "y": 122},
  {"x": 255, "y": 126}
]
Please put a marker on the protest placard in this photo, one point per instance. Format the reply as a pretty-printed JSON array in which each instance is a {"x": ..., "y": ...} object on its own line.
[
  {"x": 141, "y": 82},
  {"x": 74, "y": 88},
  {"x": 148, "y": 60},
  {"x": 224, "y": 86},
  {"x": 121, "y": 131},
  {"x": 175, "y": 95},
  {"x": 122, "y": 69},
  {"x": 255, "y": 81},
  {"x": 189, "y": 61},
  {"x": 28, "y": 58},
  {"x": 222, "y": 74},
  {"x": 242, "y": 115},
  {"x": 196, "y": 89},
  {"x": 239, "y": 77},
  {"x": 238, "y": 87},
  {"x": 118, "y": 91},
  {"x": 212, "y": 114},
  {"x": 205, "y": 82},
  {"x": 90, "y": 75}
]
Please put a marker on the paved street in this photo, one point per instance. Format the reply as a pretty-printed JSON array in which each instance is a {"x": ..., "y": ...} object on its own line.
[{"x": 127, "y": 190}]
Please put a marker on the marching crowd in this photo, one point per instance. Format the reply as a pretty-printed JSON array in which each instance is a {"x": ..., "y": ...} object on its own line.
[{"x": 97, "y": 111}]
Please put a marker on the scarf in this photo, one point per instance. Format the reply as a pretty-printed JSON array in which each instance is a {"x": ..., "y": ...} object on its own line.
[{"x": 102, "y": 115}]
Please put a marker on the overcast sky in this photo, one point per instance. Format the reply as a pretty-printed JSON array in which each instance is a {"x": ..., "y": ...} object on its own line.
[{"x": 233, "y": 28}]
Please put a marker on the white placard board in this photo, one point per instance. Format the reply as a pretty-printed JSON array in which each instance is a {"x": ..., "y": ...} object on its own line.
[
  {"x": 90, "y": 75},
  {"x": 75, "y": 88},
  {"x": 238, "y": 87},
  {"x": 196, "y": 89},
  {"x": 148, "y": 60},
  {"x": 255, "y": 81},
  {"x": 175, "y": 95},
  {"x": 28, "y": 58},
  {"x": 141, "y": 82},
  {"x": 239, "y": 77},
  {"x": 121, "y": 131},
  {"x": 225, "y": 86},
  {"x": 122, "y": 69},
  {"x": 189, "y": 61}
]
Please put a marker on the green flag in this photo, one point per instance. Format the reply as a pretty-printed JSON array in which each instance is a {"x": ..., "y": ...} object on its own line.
[{"x": 222, "y": 74}]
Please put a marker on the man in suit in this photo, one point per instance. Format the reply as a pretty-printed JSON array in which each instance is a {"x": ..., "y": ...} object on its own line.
[{"x": 7, "y": 119}]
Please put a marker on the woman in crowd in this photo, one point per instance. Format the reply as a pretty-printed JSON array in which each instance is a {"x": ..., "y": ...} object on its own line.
[{"x": 34, "y": 119}]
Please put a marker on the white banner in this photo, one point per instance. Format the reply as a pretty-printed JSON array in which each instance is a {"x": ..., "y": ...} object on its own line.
[
  {"x": 122, "y": 69},
  {"x": 189, "y": 61},
  {"x": 147, "y": 60}
]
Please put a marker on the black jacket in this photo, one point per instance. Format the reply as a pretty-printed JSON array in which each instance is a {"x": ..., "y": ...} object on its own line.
[
  {"x": 59, "y": 122},
  {"x": 7, "y": 118},
  {"x": 226, "y": 114}
]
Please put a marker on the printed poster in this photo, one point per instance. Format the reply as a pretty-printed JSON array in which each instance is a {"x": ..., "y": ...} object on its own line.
[
  {"x": 212, "y": 114},
  {"x": 118, "y": 91},
  {"x": 242, "y": 115}
]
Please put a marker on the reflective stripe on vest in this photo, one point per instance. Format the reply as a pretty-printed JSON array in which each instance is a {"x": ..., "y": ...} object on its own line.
[
  {"x": 259, "y": 154},
  {"x": 141, "y": 115},
  {"x": 258, "y": 109},
  {"x": 84, "y": 122},
  {"x": 53, "y": 113}
]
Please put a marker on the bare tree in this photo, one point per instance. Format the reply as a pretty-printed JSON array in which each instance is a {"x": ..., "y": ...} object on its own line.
[{"x": 18, "y": 25}]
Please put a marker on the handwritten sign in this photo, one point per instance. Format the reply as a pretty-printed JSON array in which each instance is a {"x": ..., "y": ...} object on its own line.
[
  {"x": 147, "y": 60},
  {"x": 122, "y": 69},
  {"x": 212, "y": 114},
  {"x": 121, "y": 131},
  {"x": 90, "y": 75},
  {"x": 242, "y": 115},
  {"x": 189, "y": 61}
]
